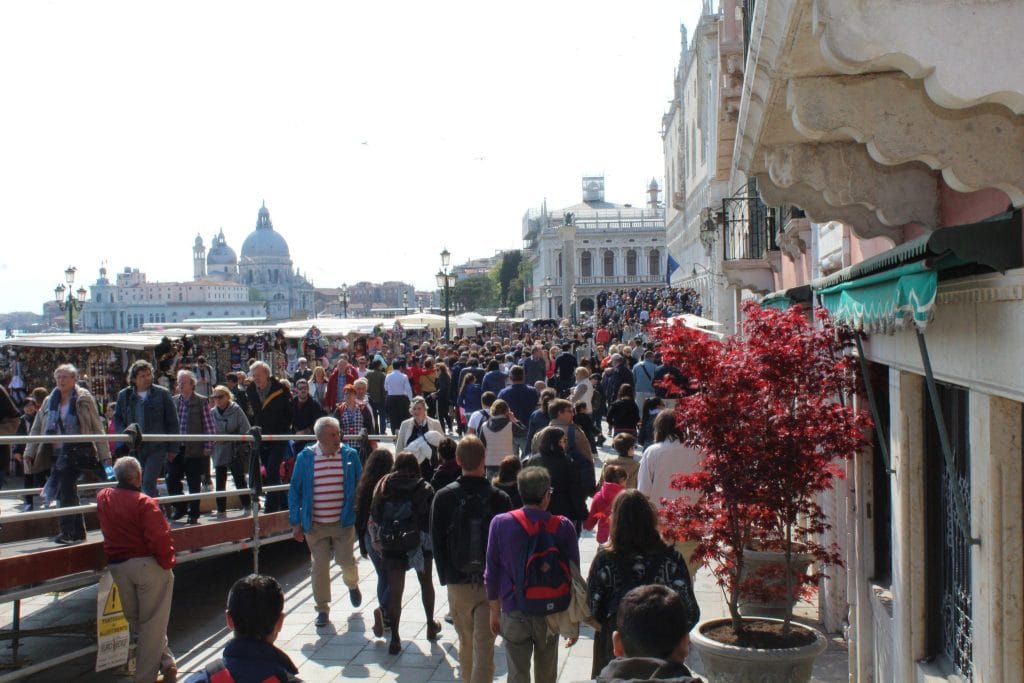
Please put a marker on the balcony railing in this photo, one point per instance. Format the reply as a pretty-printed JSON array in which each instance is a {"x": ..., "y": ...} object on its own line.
[
  {"x": 614, "y": 280},
  {"x": 749, "y": 228}
]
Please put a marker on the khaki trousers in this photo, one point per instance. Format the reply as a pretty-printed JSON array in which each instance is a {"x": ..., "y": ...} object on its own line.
[
  {"x": 146, "y": 589},
  {"x": 471, "y": 614},
  {"x": 326, "y": 541},
  {"x": 528, "y": 637}
]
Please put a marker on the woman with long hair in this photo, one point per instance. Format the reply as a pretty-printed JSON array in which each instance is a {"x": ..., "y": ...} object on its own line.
[
  {"x": 635, "y": 556},
  {"x": 400, "y": 509},
  {"x": 378, "y": 464}
]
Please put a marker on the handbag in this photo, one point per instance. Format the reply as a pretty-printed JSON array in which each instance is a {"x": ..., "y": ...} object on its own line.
[{"x": 79, "y": 456}]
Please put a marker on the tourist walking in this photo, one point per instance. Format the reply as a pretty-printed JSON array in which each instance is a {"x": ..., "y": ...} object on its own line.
[
  {"x": 229, "y": 456},
  {"x": 321, "y": 510}
]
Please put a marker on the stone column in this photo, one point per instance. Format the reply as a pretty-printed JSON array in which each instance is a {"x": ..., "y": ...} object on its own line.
[{"x": 567, "y": 236}]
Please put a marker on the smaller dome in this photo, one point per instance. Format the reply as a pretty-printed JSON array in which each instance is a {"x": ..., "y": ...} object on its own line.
[
  {"x": 199, "y": 240},
  {"x": 653, "y": 185},
  {"x": 220, "y": 253}
]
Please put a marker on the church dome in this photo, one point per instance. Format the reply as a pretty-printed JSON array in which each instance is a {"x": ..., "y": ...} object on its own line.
[
  {"x": 263, "y": 242},
  {"x": 221, "y": 254}
]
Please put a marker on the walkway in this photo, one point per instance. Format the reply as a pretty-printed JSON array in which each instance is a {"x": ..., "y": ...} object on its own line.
[{"x": 343, "y": 651}]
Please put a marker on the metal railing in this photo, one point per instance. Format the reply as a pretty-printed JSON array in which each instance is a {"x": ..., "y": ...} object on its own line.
[
  {"x": 85, "y": 578},
  {"x": 749, "y": 227}
]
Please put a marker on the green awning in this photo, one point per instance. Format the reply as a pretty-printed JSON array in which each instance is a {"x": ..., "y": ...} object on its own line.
[
  {"x": 898, "y": 287},
  {"x": 783, "y": 299},
  {"x": 885, "y": 301}
]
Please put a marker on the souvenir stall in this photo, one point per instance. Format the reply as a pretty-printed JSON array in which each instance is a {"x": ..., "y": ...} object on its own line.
[{"x": 102, "y": 360}]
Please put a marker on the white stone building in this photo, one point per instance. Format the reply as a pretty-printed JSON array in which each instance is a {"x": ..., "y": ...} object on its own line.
[
  {"x": 613, "y": 246},
  {"x": 130, "y": 301}
]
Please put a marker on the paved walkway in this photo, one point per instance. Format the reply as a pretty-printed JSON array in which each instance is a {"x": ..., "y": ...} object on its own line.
[{"x": 346, "y": 649}]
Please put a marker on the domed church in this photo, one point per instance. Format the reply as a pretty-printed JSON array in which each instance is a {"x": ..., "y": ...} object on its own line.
[{"x": 265, "y": 267}]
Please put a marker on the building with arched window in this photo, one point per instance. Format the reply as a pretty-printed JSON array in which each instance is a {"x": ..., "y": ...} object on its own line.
[
  {"x": 614, "y": 246},
  {"x": 260, "y": 285}
]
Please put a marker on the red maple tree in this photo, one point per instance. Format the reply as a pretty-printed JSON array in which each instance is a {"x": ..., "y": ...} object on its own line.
[{"x": 764, "y": 409}]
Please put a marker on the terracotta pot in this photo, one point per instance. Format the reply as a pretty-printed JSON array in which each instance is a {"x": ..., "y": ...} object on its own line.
[
  {"x": 733, "y": 664},
  {"x": 755, "y": 559}
]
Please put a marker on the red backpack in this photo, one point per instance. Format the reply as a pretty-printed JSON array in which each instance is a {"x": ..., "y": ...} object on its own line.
[{"x": 543, "y": 576}]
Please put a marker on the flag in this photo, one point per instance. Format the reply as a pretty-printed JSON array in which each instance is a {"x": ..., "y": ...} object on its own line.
[{"x": 673, "y": 265}]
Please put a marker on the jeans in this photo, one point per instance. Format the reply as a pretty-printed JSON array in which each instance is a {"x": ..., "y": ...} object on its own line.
[
  {"x": 398, "y": 411},
  {"x": 67, "y": 496},
  {"x": 383, "y": 587},
  {"x": 152, "y": 461}
]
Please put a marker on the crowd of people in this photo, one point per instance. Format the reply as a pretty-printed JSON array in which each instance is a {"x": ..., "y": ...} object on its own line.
[
  {"x": 495, "y": 462},
  {"x": 639, "y": 305}
]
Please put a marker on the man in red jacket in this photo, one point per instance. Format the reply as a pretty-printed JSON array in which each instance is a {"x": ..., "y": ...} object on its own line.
[{"x": 140, "y": 554}]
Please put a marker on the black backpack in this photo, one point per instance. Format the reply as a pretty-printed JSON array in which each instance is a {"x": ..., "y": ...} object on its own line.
[
  {"x": 399, "y": 532},
  {"x": 467, "y": 535}
]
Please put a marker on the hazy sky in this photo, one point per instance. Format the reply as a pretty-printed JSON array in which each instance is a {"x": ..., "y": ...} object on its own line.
[{"x": 377, "y": 133}]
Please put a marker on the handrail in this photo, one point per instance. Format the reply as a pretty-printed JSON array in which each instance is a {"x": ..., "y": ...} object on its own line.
[{"x": 182, "y": 438}]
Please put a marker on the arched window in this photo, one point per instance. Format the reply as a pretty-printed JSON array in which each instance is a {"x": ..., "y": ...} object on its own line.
[
  {"x": 631, "y": 263},
  {"x": 654, "y": 262},
  {"x": 609, "y": 264},
  {"x": 586, "y": 264}
]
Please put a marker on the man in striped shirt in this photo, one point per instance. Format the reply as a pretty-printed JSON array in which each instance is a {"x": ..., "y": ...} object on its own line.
[{"x": 321, "y": 509}]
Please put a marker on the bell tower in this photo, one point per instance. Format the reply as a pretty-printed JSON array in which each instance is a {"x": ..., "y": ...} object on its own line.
[{"x": 198, "y": 259}]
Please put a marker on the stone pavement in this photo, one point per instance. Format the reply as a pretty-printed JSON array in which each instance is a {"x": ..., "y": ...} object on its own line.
[{"x": 346, "y": 649}]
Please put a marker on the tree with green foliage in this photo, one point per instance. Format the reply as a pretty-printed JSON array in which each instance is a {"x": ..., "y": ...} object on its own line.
[
  {"x": 507, "y": 281},
  {"x": 474, "y": 292}
]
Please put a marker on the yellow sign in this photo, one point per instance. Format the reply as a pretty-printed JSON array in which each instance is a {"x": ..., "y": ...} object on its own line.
[{"x": 113, "y": 603}]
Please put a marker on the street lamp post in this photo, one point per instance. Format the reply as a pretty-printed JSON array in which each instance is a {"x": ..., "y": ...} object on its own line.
[
  {"x": 445, "y": 281},
  {"x": 572, "y": 306},
  {"x": 547, "y": 293},
  {"x": 75, "y": 299},
  {"x": 405, "y": 301},
  {"x": 343, "y": 299}
]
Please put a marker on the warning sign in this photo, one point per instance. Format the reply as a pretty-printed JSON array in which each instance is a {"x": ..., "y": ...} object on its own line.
[{"x": 112, "y": 635}]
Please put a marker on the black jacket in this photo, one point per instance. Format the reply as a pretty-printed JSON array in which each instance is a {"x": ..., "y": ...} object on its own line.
[
  {"x": 640, "y": 669},
  {"x": 567, "y": 499},
  {"x": 275, "y": 415},
  {"x": 441, "y": 519}
]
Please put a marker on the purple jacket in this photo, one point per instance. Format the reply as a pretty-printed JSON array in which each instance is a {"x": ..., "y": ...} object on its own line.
[{"x": 506, "y": 544}]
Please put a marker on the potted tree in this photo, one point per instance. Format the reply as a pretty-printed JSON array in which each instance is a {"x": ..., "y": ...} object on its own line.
[{"x": 763, "y": 408}]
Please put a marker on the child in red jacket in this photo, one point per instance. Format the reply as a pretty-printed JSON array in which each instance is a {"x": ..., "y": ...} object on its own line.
[{"x": 601, "y": 503}]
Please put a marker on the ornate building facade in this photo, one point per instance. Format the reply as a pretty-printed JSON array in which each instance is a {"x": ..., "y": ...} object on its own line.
[
  {"x": 262, "y": 284},
  {"x": 613, "y": 246}
]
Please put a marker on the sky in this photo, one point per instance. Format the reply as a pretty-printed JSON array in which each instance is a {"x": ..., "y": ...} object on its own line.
[{"x": 377, "y": 133}]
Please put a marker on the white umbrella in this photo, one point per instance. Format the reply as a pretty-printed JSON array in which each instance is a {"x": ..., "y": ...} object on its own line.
[
  {"x": 474, "y": 315},
  {"x": 428, "y": 320},
  {"x": 464, "y": 321},
  {"x": 691, "y": 320}
]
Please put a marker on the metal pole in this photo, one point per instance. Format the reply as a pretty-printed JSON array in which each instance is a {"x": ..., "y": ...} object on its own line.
[
  {"x": 16, "y": 627},
  {"x": 947, "y": 451},
  {"x": 447, "y": 310},
  {"x": 883, "y": 441}
]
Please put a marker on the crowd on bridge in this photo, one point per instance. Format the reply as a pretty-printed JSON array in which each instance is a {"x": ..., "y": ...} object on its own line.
[{"x": 495, "y": 462}]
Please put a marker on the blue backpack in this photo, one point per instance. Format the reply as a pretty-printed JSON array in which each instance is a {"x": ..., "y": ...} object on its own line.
[{"x": 543, "y": 576}]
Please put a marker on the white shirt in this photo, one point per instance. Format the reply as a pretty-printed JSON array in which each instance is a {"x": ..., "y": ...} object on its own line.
[
  {"x": 660, "y": 462},
  {"x": 396, "y": 384}
]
